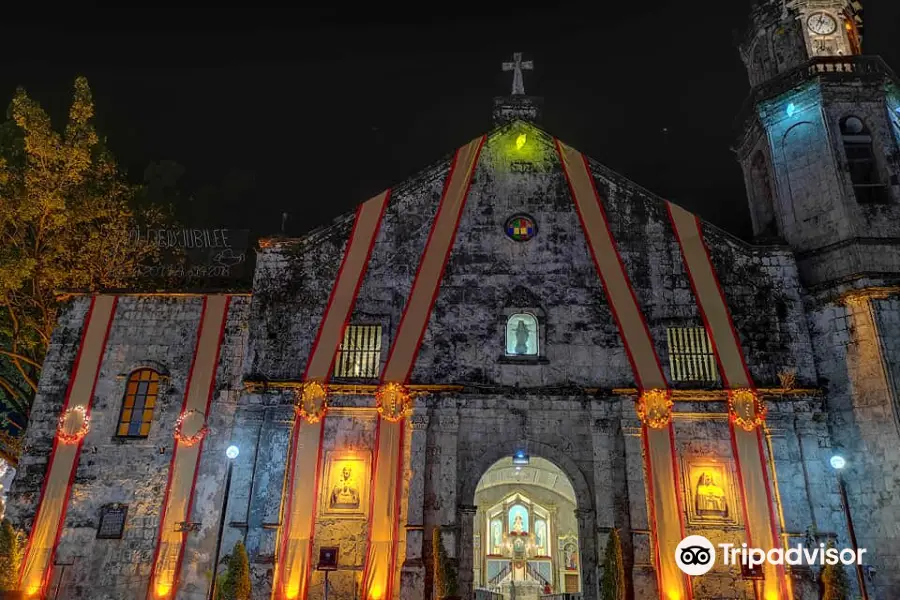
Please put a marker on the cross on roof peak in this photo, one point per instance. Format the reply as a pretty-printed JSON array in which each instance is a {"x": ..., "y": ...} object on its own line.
[{"x": 516, "y": 66}]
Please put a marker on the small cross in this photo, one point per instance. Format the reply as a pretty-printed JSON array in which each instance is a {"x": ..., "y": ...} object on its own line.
[{"x": 518, "y": 85}]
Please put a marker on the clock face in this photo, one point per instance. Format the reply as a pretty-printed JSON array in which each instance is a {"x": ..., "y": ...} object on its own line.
[{"x": 821, "y": 23}]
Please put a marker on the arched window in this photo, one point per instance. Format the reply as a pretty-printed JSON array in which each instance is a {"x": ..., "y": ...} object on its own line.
[
  {"x": 764, "y": 207},
  {"x": 522, "y": 335},
  {"x": 137, "y": 406},
  {"x": 864, "y": 174}
]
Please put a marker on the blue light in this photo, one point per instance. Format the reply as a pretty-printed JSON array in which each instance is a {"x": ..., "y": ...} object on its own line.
[
  {"x": 520, "y": 458},
  {"x": 791, "y": 109}
]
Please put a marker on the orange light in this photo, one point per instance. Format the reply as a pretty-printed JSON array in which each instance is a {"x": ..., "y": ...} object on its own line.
[
  {"x": 673, "y": 594},
  {"x": 376, "y": 592},
  {"x": 292, "y": 591},
  {"x": 162, "y": 590},
  {"x": 848, "y": 26},
  {"x": 34, "y": 590}
]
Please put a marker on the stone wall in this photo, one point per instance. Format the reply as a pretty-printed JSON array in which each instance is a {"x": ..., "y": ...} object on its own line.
[
  {"x": 856, "y": 347},
  {"x": 155, "y": 332}
]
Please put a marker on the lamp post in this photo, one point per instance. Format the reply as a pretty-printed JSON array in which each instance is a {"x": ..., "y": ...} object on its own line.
[
  {"x": 232, "y": 453},
  {"x": 838, "y": 463}
]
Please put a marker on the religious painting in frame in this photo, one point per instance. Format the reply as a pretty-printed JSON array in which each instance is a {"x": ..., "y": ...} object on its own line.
[
  {"x": 345, "y": 485},
  {"x": 710, "y": 494}
]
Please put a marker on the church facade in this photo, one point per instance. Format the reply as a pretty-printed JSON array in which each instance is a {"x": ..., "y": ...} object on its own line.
[{"x": 517, "y": 352}]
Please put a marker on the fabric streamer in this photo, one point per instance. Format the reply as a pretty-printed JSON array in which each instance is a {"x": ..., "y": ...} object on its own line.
[
  {"x": 384, "y": 515},
  {"x": 293, "y": 567},
  {"x": 654, "y": 405},
  {"x": 74, "y": 421},
  {"x": 186, "y": 455},
  {"x": 746, "y": 440}
]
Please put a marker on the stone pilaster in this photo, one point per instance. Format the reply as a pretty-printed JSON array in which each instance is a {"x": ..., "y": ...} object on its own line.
[
  {"x": 412, "y": 571},
  {"x": 466, "y": 520},
  {"x": 644, "y": 569}
]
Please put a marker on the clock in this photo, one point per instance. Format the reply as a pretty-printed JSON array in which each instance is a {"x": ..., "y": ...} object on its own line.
[{"x": 821, "y": 23}]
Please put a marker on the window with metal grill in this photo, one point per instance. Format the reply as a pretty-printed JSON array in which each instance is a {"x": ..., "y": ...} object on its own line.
[
  {"x": 359, "y": 356},
  {"x": 691, "y": 357},
  {"x": 112, "y": 521},
  {"x": 141, "y": 392}
]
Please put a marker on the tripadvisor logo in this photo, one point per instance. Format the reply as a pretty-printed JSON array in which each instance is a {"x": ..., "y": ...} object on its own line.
[{"x": 696, "y": 555}]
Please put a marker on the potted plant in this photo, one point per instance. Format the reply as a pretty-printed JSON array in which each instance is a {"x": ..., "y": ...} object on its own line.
[{"x": 445, "y": 575}]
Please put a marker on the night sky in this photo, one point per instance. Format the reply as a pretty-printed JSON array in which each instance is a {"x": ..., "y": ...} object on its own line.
[{"x": 311, "y": 114}]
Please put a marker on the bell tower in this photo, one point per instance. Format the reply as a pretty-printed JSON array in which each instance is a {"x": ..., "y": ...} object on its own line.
[
  {"x": 819, "y": 139},
  {"x": 819, "y": 145}
]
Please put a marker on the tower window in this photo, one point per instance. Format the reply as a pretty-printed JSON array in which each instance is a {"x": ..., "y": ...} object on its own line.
[
  {"x": 141, "y": 393},
  {"x": 112, "y": 521},
  {"x": 359, "y": 355},
  {"x": 691, "y": 357},
  {"x": 522, "y": 335},
  {"x": 861, "y": 160},
  {"x": 762, "y": 194}
]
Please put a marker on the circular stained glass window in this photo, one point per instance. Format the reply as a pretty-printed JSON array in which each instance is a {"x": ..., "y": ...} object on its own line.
[{"x": 520, "y": 228}]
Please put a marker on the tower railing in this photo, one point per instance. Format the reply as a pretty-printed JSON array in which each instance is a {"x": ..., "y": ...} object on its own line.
[{"x": 831, "y": 68}]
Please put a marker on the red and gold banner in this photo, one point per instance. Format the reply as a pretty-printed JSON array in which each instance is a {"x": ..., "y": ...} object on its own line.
[
  {"x": 393, "y": 398},
  {"x": 654, "y": 404},
  {"x": 747, "y": 411},
  {"x": 73, "y": 425},
  {"x": 189, "y": 434},
  {"x": 293, "y": 567}
]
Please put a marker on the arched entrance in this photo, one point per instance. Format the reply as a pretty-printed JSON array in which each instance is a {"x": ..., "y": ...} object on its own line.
[{"x": 525, "y": 531}]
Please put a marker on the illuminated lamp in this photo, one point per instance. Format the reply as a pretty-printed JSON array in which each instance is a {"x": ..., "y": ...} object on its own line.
[
  {"x": 520, "y": 141},
  {"x": 838, "y": 462},
  {"x": 791, "y": 109},
  {"x": 521, "y": 458},
  {"x": 162, "y": 590}
]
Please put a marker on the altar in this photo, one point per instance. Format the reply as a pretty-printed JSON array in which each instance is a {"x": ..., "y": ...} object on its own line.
[{"x": 526, "y": 545}]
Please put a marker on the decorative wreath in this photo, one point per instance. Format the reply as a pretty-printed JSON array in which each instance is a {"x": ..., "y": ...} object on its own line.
[
  {"x": 73, "y": 437},
  {"x": 747, "y": 409},
  {"x": 190, "y": 440},
  {"x": 654, "y": 408},
  {"x": 311, "y": 401},
  {"x": 393, "y": 401}
]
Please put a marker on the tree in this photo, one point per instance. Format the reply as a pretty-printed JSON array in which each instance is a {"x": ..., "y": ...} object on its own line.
[
  {"x": 444, "y": 570},
  {"x": 234, "y": 584},
  {"x": 12, "y": 549},
  {"x": 66, "y": 223},
  {"x": 612, "y": 586},
  {"x": 834, "y": 582}
]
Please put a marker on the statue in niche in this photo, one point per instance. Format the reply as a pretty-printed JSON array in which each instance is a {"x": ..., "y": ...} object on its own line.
[
  {"x": 570, "y": 557},
  {"x": 345, "y": 493},
  {"x": 521, "y": 338},
  {"x": 540, "y": 537},
  {"x": 496, "y": 537},
  {"x": 710, "y": 497},
  {"x": 518, "y": 525}
]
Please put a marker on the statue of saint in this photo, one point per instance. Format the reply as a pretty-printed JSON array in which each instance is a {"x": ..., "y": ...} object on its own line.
[
  {"x": 540, "y": 537},
  {"x": 710, "y": 497},
  {"x": 497, "y": 536},
  {"x": 345, "y": 494},
  {"x": 570, "y": 557},
  {"x": 521, "y": 338},
  {"x": 518, "y": 525}
]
